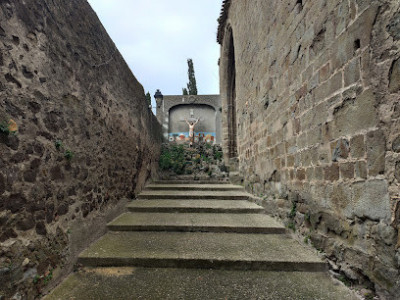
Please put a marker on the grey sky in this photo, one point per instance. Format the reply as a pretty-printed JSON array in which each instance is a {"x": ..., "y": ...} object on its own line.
[{"x": 157, "y": 36}]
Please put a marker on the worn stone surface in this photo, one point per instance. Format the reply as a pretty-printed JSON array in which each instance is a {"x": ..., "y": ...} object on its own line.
[
  {"x": 275, "y": 252},
  {"x": 331, "y": 84},
  {"x": 205, "y": 222},
  {"x": 233, "y": 206},
  {"x": 86, "y": 137},
  {"x": 122, "y": 283}
]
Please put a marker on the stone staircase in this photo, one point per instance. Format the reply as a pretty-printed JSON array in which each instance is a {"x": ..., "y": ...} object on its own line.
[{"x": 202, "y": 230}]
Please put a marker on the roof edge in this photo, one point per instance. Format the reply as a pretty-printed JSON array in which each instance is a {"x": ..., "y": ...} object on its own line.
[{"x": 222, "y": 20}]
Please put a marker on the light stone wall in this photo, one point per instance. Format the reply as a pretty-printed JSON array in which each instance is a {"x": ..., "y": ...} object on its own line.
[{"x": 317, "y": 109}]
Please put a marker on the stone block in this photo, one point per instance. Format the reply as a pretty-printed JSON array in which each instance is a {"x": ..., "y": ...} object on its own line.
[
  {"x": 347, "y": 170},
  {"x": 323, "y": 157},
  {"x": 306, "y": 158},
  {"x": 396, "y": 144},
  {"x": 340, "y": 149},
  {"x": 376, "y": 149},
  {"x": 291, "y": 174},
  {"x": 331, "y": 173},
  {"x": 384, "y": 232},
  {"x": 354, "y": 115},
  {"x": 394, "y": 26},
  {"x": 394, "y": 77},
  {"x": 301, "y": 174},
  {"x": 342, "y": 16},
  {"x": 325, "y": 72},
  {"x": 310, "y": 174},
  {"x": 302, "y": 141},
  {"x": 343, "y": 50},
  {"x": 341, "y": 198},
  {"x": 357, "y": 146},
  {"x": 329, "y": 87},
  {"x": 319, "y": 173},
  {"x": 360, "y": 168},
  {"x": 397, "y": 171},
  {"x": 2, "y": 184},
  {"x": 362, "y": 4},
  {"x": 352, "y": 72},
  {"x": 290, "y": 161},
  {"x": 314, "y": 82},
  {"x": 371, "y": 200},
  {"x": 327, "y": 131}
]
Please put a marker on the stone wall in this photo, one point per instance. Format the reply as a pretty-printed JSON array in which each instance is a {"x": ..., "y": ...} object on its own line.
[
  {"x": 86, "y": 138},
  {"x": 310, "y": 94}
]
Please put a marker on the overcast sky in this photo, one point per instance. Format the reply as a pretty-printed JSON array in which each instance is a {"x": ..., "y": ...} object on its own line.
[{"x": 156, "y": 37}]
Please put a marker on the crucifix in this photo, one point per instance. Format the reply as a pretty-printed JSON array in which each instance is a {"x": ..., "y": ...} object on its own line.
[{"x": 192, "y": 121}]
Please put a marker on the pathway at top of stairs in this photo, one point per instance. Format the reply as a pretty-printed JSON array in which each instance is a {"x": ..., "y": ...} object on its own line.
[{"x": 198, "y": 241}]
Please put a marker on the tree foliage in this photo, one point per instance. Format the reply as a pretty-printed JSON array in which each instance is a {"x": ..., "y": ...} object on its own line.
[
  {"x": 185, "y": 91},
  {"x": 191, "y": 86},
  {"x": 148, "y": 98}
]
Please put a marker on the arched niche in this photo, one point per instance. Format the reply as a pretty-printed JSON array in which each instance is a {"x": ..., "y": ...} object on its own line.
[{"x": 206, "y": 127}]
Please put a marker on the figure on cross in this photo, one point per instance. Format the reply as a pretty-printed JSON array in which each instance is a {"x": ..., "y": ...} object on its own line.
[{"x": 191, "y": 130}]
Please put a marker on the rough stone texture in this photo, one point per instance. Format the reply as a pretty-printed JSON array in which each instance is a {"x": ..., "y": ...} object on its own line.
[
  {"x": 315, "y": 91},
  {"x": 62, "y": 79},
  {"x": 198, "y": 284}
]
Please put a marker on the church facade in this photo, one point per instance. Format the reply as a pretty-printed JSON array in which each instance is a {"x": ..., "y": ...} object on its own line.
[{"x": 175, "y": 111}]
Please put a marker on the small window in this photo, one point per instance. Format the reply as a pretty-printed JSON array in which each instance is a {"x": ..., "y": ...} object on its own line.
[{"x": 357, "y": 44}]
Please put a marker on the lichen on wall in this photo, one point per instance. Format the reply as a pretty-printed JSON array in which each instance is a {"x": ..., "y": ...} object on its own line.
[
  {"x": 85, "y": 138},
  {"x": 315, "y": 87}
]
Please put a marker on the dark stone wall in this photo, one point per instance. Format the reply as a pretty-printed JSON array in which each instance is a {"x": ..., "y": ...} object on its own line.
[{"x": 86, "y": 138}]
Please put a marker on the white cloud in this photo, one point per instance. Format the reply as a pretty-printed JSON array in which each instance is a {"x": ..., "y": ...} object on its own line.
[{"x": 157, "y": 36}]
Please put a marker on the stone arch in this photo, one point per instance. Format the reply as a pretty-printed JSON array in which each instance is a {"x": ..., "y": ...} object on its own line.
[{"x": 228, "y": 96}]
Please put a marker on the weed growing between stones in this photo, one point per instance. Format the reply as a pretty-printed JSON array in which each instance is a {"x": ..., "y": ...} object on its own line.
[
  {"x": 68, "y": 154},
  {"x": 58, "y": 144},
  {"x": 8, "y": 127},
  {"x": 292, "y": 213},
  {"x": 292, "y": 226},
  {"x": 4, "y": 128}
]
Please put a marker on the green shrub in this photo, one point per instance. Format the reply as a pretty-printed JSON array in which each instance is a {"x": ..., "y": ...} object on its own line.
[{"x": 173, "y": 159}]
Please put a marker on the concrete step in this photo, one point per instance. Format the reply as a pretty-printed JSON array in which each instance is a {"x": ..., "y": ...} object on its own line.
[
  {"x": 198, "y": 284},
  {"x": 195, "y": 206},
  {"x": 205, "y": 222},
  {"x": 195, "y": 187},
  {"x": 272, "y": 252},
  {"x": 191, "y": 182},
  {"x": 193, "y": 195}
]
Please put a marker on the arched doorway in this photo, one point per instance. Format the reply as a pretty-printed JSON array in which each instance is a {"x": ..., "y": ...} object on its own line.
[
  {"x": 228, "y": 97},
  {"x": 231, "y": 95}
]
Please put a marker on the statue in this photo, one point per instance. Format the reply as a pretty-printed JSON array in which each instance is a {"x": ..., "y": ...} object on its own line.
[{"x": 191, "y": 130}]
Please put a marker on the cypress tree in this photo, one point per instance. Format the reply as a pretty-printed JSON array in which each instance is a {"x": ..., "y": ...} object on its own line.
[
  {"x": 148, "y": 98},
  {"x": 191, "y": 86}
]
